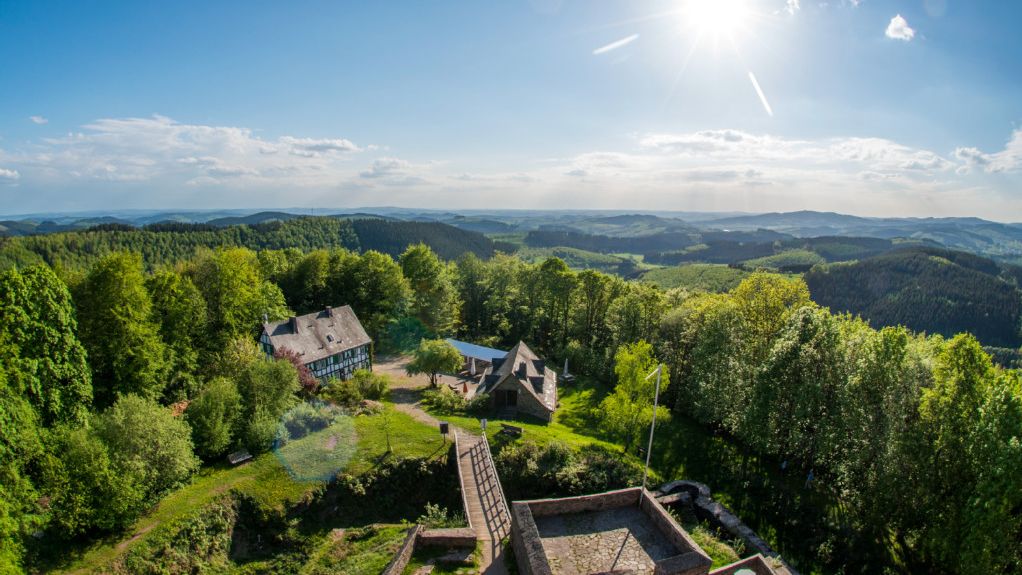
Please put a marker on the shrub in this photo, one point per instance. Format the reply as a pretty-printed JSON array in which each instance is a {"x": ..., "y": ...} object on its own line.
[
  {"x": 371, "y": 385},
  {"x": 213, "y": 417},
  {"x": 530, "y": 471},
  {"x": 306, "y": 418},
  {"x": 342, "y": 393},
  {"x": 437, "y": 517},
  {"x": 444, "y": 400},
  {"x": 479, "y": 404}
]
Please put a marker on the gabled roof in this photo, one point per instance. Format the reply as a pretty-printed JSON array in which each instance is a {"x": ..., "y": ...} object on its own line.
[
  {"x": 531, "y": 373},
  {"x": 319, "y": 334}
]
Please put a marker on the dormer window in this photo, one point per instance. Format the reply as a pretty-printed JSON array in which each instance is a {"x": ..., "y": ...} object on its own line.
[{"x": 330, "y": 338}]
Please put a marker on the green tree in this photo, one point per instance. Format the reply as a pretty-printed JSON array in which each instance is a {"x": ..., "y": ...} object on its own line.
[
  {"x": 213, "y": 418},
  {"x": 88, "y": 489},
  {"x": 795, "y": 407},
  {"x": 237, "y": 296},
  {"x": 948, "y": 412},
  {"x": 119, "y": 332},
  {"x": 434, "y": 297},
  {"x": 376, "y": 290},
  {"x": 46, "y": 361},
  {"x": 471, "y": 280},
  {"x": 181, "y": 313},
  {"x": 433, "y": 357},
  {"x": 148, "y": 443},
  {"x": 628, "y": 411},
  {"x": 268, "y": 388}
]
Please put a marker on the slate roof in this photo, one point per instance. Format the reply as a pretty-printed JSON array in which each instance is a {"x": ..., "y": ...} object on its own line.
[
  {"x": 319, "y": 334},
  {"x": 536, "y": 378}
]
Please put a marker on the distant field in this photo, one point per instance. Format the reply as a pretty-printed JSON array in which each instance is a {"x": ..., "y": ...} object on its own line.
[
  {"x": 715, "y": 278},
  {"x": 575, "y": 258},
  {"x": 797, "y": 257}
]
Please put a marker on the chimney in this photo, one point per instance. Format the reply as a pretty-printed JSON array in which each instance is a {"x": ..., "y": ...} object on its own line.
[
  {"x": 521, "y": 369},
  {"x": 329, "y": 311},
  {"x": 293, "y": 322}
]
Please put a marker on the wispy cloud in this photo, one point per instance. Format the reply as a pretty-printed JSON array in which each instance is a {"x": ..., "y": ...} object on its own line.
[
  {"x": 158, "y": 161},
  {"x": 9, "y": 176},
  {"x": 616, "y": 44},
  {"x": 792, "y": 7},
  {"x": 37, "y": 119},
  {"x": 899, "y": 29}
]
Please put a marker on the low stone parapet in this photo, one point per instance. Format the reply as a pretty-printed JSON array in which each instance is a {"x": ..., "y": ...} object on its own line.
[{"x": 454, "y": 537}]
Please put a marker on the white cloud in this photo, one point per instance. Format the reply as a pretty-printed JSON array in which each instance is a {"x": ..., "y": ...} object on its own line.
[
  {"x": 37, "y": 119},
  {"x": 899, "y": 29},
  {"x": 9, "y": 176},
  {"x": 792, "y": 6},
  {"x": 1007, "y": 160},
  {"x": 386, "y": 167},
  {"x": 158, "y": 162}
]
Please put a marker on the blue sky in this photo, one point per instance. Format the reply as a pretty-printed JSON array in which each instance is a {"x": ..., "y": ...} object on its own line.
[{"x": 876, "y": 107}]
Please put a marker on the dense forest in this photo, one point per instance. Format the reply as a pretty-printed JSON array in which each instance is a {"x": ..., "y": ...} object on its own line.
[
  {"x": 926, "y": 289},
  {"x": 917, "y": 437},
  {"x": 167, "y": 243}
]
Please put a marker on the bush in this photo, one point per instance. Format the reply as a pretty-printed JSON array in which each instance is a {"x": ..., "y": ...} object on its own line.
[
  {"x": 444, "y": 400},
  {"x": 371, "y": 385},
  {"x": 342, "y": 393},
  {"x": 479, "y": 404},
  {"x": 532, "y": 471},
  {"x": 306, "y": 418},
  {"x": 437, "y": 517}
]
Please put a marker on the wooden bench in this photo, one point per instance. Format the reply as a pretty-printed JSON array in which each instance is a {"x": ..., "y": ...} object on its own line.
[
  {"x": 510, "y": 430},
  {"x": 239, "y": 457}
]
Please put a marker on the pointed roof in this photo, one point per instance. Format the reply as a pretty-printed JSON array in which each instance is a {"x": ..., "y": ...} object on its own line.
[{"x": 528, "y": 370}]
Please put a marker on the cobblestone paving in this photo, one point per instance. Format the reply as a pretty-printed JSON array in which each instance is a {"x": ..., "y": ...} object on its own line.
[{"x": 594, "y": 542}]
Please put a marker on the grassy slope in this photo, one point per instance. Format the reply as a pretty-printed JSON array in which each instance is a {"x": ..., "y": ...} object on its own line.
[
  {"x": 364, "y": 551},
  {"x": 266, "y": 480}
]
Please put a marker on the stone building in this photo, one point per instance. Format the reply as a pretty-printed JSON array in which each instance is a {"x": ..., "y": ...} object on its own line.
[
  {"x": 332, "y": 343},
  {"x": 520, "y": 383}
]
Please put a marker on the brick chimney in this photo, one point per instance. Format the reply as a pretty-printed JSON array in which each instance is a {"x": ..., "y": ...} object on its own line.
[
  {"x": 329, "y": 311},
  {"x": 293, "y": 322},
  {"x": 521, "y": 369}
]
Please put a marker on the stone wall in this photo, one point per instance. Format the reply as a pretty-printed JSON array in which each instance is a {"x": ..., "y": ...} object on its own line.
[
  {"x": 526, "y": 542},
  {"x": 404, "y": 555},
  {"x": 583, "y": 503},
  {"x": 720, "y": 517},
  {"x": 528, "y": 546},
  {"x": 459, "y": 537},
  {"x": 527, "y": 403},
  {"x": 692, "y": 560}
]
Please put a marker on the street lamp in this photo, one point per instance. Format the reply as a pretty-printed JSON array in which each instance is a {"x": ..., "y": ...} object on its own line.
[{"x": 652, "y": 425}]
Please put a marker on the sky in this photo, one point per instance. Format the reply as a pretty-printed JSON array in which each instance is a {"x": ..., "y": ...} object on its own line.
[{"x": 869, "y": 107}]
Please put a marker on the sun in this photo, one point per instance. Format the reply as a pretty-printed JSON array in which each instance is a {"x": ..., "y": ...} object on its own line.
[{"x": 717, "y": 18}]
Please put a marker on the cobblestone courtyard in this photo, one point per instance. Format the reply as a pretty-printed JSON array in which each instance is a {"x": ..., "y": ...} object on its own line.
[{"x": 600, "y": 541}]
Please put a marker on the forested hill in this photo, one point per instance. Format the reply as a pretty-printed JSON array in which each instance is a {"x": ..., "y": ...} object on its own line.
[
  {"x": 167, "y": 243},
  {"x": 926, "y": 289},
  {"x": 392, "y": 237}
]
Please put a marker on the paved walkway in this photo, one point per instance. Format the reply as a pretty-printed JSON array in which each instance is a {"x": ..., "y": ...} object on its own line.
[{"x": 487, "y": 509}]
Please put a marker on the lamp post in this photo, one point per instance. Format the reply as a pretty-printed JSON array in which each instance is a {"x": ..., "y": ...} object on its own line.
[{"x": 652, "y": 425}]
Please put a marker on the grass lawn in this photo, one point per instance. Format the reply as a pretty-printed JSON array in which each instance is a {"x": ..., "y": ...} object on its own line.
[
  {"x": 423, "y": 555},
  {"x": 363, "y": 551},
  {"x": 265, "y": 479}
]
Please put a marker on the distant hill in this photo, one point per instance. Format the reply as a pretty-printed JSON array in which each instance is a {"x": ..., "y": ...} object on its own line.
[
  {"x": 257, "y": 218},
  {"x": 975, "y": 235},
  {"x": 393, "y": 237},
  {"x": 926, "y": 289},
  {"x": 169, "y": 242}
]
